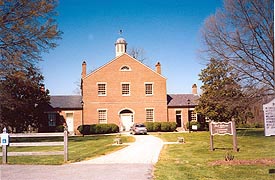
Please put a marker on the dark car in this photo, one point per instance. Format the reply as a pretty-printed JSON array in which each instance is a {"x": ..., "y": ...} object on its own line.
[{"x": 138, "y": 128}]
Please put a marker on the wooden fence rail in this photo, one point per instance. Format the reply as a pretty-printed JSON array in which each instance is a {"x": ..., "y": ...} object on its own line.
[{"x": 64, "y": 143}]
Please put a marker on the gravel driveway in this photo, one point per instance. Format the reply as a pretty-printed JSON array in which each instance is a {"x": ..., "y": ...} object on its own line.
[{"x": 134, "y": 162}]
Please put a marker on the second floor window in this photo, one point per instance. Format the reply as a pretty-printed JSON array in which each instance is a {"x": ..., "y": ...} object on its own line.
[
  {"x": 101, "y": 89},
  {"x": 148, "y": 89},
  {"x": 125, "y": 89}
]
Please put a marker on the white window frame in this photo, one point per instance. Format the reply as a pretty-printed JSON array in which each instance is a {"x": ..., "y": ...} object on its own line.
[
  {"x": 125, "y": 83},
  {"x": 98, "y": 91},
  {"x": 122, "y": 68},
  {"x": 102, "y": 121},
  {"x": 146, "y": 115},
  {"x": 149, "y": 83}
]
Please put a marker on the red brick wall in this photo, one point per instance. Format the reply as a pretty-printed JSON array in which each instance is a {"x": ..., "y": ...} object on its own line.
[{"x": 114, "y": 102}]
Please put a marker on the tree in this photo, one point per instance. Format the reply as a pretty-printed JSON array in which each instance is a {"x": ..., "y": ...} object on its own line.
[
  {"x": 27, "y": 28},
  {"x": 222, "y": 97},
  {"x": 137, "y": 53},
  {"x": 29, "y": 98},
  {"x": 242, "y": 34}
]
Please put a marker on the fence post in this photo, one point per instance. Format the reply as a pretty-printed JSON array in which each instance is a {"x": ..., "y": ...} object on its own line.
[
  {"x": 5, "y": 154},
  {"x": 65, "y": 145}
]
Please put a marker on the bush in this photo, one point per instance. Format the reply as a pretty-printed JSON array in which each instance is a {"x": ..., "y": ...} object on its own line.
[
  {"x": 149, "y": 126},
  {"x": 98, "y": 129},
  {"x": 59, "y": 128},
  {"x": 157, "y": 126},
  {"x": 160, "y": 126}
]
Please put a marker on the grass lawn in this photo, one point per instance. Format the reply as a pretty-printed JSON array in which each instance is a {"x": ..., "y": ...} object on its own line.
[
  {"x": 192, "y": 160},
  {"x": 80, "y": 148}
]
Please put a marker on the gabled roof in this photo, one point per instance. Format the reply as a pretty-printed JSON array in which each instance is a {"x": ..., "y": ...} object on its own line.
[
  {"x": 98, "y": 69},
  {"x": 66, "y": 102},
  {"x": 181, "y": 100}
]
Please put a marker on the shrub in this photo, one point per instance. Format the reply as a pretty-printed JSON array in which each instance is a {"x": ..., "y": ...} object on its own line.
[
  {"x": 157, "y": 126},
  {"x": 160, "y": 126},
  {"x": 149, "y": 126},
  {"x": 98, "y": 129},
  {"x": 59, "y": 128}
]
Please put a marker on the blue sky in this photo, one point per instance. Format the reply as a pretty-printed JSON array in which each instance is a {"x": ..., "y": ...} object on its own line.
[{"x": 167, "y": 30}]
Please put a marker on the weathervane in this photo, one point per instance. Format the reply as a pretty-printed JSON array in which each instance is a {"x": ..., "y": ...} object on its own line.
[{"x": 120, "y": 32}]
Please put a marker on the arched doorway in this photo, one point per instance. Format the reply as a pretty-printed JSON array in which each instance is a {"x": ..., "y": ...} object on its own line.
[{"x": 126, "y": 119}]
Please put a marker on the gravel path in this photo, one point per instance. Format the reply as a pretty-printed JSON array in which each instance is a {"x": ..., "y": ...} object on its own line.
[
  {"x": 134, "y": 162},
  {"x": 145, "y": 150}
]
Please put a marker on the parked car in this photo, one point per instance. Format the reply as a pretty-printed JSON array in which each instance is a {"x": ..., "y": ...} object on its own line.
[{"x": 138, "y": 128}]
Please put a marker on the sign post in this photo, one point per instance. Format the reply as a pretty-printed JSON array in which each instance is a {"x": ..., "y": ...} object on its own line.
[
  {"x": 223, "y": 128},
  {"x": 4, "y": 144}
]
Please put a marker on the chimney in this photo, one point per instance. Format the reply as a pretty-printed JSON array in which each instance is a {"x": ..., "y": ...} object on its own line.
[
  {"x": 83, "y": 74},
  {"x": 194, "y": 89},
  {"x": 158, "y": 67}
]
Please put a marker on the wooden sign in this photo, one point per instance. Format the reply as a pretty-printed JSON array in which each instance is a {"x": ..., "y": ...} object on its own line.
[
  {"x": 269, "y": 118},
  {"x": 221, "y": 128}
]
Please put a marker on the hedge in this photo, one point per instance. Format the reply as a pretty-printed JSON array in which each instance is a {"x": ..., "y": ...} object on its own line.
[
  {"x": 160, "y": 126},
  {"x": 98, "y": 129}
]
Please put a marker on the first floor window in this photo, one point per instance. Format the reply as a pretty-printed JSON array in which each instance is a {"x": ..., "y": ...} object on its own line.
[
  {"x": 52, "y": 119},
  {"x": 102, "y": 116},
  {"x": 149, "y": 115}
]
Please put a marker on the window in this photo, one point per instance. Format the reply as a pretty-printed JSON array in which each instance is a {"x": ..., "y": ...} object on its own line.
[
  {"x": 102, "y": 116},
  {"x": 101, "y": 89},
  {"x": 149, "y": 115},
  {"x": 125, "y": 89},
  {"x": 193, "y": 116},
  {"x": 125, "y": 68},
  {"x": 149, "y": 88},
  {"x": 52, "y": 119}
]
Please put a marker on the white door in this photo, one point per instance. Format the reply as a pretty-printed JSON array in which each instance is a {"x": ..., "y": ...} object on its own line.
[
  {"x": 127, "y": 121},
  {"x": 70, "y": 122}
]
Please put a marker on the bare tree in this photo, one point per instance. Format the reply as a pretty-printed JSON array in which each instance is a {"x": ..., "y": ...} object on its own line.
[
  {"x": 242, "y": 33},
  {"x": 137, "y": 53}
]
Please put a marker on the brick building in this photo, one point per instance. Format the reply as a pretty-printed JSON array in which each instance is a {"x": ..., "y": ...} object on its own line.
[{"x": 124, "y": 91}]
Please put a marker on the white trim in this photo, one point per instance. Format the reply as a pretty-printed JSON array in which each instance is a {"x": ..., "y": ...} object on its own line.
[
  {"x": 119, "y": 57},
  {"x": 120, "y": 69},
  {"x": 126, "y": 109}
]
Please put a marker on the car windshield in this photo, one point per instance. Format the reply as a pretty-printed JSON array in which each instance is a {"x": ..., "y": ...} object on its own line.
[{"x": 140, "y": 125}]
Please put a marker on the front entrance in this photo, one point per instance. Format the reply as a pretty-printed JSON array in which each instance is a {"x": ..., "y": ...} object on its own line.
[
  {"x": 126, "y": 119},
  {"x": 178, "y": 119}
]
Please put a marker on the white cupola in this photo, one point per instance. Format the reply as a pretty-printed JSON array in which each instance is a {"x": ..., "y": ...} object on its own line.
[{"x": 121, "y": 46}]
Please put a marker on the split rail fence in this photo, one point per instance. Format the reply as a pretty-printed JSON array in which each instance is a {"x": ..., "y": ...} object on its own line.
[{"x": 5, "y": 154}]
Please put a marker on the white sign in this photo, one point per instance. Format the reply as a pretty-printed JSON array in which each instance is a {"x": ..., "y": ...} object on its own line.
[
  {"x": 4, "y": 139},
  {"x": 269, "y": 118}
]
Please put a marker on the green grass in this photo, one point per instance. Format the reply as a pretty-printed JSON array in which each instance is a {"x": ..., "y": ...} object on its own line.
[
  {"x": 80, "y": 148},
  {"x": 191, "y": 160}
]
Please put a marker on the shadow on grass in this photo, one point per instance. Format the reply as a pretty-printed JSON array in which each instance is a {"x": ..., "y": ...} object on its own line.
[{"x": 257, "y": 132}]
